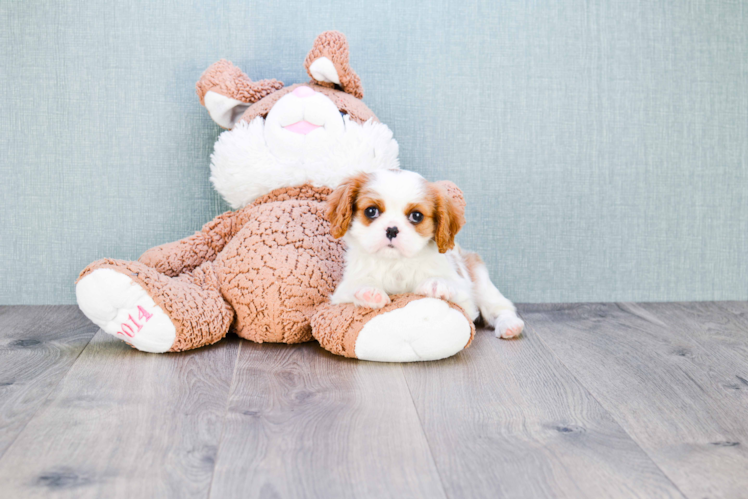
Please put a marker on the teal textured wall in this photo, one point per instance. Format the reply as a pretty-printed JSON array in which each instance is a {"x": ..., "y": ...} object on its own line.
[{"x": 602, "y": 146}]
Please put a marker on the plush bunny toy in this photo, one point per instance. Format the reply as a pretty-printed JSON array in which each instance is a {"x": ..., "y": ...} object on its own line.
[{"x": 267, "y": 269}]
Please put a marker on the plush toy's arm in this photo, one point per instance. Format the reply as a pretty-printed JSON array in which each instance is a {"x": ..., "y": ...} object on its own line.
[{"x": 186, "y": 254}]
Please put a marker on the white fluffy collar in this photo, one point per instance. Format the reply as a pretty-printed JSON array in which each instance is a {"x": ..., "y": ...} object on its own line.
[{"x": 243, "y": 168}]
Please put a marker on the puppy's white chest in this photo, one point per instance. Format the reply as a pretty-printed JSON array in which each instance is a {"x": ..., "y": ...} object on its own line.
[{"x": 395, "y": 280}]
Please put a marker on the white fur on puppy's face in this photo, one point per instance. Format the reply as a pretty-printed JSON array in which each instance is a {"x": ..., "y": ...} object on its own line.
[
  {"x": 303, "y": 123},
  {"x": 396, "y": 195}
]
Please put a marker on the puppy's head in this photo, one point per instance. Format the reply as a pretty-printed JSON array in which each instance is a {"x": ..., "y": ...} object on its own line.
[{"x": 394, "y": 213}]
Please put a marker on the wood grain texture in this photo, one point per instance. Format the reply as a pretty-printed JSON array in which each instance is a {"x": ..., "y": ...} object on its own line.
[
  {"x": 38, "y": 345},
  {"x": 126, "y": 424},
  {"x": 609, "y": 400},
  {"x": 305, "y": 423},
  {"x": 667, "y": 375},
  {"x": 739, "y": 309},
  {"x": 721, "y": 330},
  {"x": 506, "y": 419}
]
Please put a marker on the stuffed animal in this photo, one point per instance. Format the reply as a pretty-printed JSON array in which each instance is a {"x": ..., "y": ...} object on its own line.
[{"x": 267, "y": 269}]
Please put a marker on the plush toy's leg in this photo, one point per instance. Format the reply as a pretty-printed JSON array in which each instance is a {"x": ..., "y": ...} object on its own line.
[
  {"x": 151, "y": 311},
  {"x": 410, "y": 328}
]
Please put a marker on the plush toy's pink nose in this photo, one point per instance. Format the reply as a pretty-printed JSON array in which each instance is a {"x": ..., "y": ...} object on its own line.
[{"x": 303, "y": 91}]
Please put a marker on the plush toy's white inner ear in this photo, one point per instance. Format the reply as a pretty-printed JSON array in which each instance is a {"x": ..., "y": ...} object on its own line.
[
  {"x": 323, "y": 70},
  {"x": 225, "y": 111}
]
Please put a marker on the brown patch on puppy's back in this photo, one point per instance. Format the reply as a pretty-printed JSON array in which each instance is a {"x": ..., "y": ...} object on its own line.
[{"x": 472, "y": 262}]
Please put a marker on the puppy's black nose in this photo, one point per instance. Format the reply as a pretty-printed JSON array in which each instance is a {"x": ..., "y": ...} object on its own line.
[{"x": 392, "y": 232}]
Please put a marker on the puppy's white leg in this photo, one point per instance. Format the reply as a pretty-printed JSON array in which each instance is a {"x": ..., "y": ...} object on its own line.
[
  {"x": 370, "y": 296},
  {"x": 497, "y": 310}
]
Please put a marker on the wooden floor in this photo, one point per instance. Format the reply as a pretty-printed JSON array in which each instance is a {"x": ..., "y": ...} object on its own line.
[{"x": 595, "y": 400}]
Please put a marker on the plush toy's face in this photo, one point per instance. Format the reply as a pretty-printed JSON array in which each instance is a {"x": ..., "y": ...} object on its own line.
[
  {"x": 303, "y": 123},
  {"x": 311, "y": 133}
]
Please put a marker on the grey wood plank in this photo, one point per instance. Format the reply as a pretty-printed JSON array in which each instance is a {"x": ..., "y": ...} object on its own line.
[
  {"x": 739, "y": 309},
  {"x": 672, "y": 394},
  {"x": 305, "y": 423},
  {"x": 38, "y": 345},
  {"x": 123, "y": 423},
  {"x": 720, "y": 329},
  {"x": 506, "y": 419}
]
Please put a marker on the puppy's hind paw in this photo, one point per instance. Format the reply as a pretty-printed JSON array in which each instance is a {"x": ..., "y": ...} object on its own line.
[
  {"x": 370, "y": 296},
  {"x": 509, "y": 326},
  {"x": 436, "y": 288}
]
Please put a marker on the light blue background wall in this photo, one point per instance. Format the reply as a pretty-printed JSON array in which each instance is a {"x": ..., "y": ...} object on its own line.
[{"x": 603, "y": 146}]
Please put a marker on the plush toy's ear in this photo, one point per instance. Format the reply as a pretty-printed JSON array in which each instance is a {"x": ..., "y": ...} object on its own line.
[
  {"x": 327, "y": 64},
  {"x": 341, "y": 204},
  {"x": 226, "y": 92},
  {"x": 449, "y": 214}
]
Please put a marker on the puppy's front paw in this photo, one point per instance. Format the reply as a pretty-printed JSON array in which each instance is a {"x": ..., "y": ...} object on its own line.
[
  {"x": 436, "y": 288},
  {"x": 509, "y": 325},
  {"x": 370, "y": 296}
]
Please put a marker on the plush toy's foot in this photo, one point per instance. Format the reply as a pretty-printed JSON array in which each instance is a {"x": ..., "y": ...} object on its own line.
[
  {"x": 410, "y": 328},
  {"x": 151, "y": 311},
  {"x": 121, "y": 307}
]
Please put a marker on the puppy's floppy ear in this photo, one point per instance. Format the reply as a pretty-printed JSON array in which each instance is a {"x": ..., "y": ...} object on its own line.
[
  {"x": 341, "y": 204},
  {"x": 449, "y": 214}
]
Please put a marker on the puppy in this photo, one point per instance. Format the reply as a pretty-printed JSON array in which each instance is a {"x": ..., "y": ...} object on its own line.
[{"x": 400, "y": 230}]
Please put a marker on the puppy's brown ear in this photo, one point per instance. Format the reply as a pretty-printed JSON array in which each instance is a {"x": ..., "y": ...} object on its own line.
[
  {"x": 341, "y": 204},
  {"x": 449, "y": 215}
]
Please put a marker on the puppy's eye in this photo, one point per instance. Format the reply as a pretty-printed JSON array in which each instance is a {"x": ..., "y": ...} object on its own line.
[
  {"x": 371, "y": 213},
  {"x": 415, "y": 217}
]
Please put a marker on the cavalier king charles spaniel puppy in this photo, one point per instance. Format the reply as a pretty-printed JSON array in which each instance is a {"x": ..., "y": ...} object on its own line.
[{"x": 400, "y": 231}]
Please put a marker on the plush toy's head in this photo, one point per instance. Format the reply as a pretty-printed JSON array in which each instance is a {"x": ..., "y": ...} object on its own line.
[{"x": 318, "y": 132}]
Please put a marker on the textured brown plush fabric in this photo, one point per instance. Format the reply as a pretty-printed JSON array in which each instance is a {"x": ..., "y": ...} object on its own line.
[
  {"x": 334, "y": 46},
  {"x": 226, "y": 79},
  {"x": 192, "y": 301},
  {"x": 354, "y": 108},
  {"x": 274, "y": 259},
  {"x": 273, "y": 262},
  {"x": 304, "y": 192},
  {"x": 336, "y": 327},
  {"x": 280, "y": 266},
  {"x": 265, "y": 270},
  {"x": 186, "y": 254}
]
